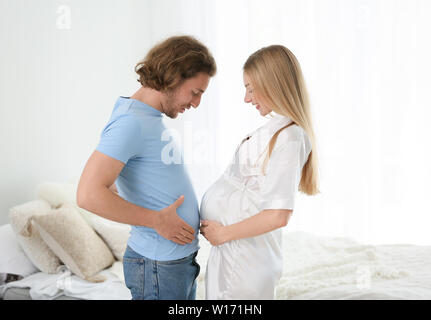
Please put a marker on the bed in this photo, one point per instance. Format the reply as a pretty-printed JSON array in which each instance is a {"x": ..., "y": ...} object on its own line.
[
  {"x": 315, "y": 268},
  {"x": 42, "y": 247}
]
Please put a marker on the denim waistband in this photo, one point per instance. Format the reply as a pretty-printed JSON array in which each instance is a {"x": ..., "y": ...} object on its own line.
[{"x": 134, "y": 255}]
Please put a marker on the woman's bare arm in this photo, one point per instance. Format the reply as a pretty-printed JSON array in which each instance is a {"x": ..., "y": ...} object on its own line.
[{"x": 263, "y": 222}]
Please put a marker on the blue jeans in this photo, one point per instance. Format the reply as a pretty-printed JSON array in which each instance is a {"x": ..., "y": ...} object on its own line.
[{"x": 160, "y": 280}]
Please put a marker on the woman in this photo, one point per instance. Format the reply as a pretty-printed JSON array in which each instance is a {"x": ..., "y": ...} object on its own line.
[{"x": 244, "y": 210}]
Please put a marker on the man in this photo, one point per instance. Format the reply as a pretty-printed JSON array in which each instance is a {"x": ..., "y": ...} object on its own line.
[{"x": 154, "y": 196}]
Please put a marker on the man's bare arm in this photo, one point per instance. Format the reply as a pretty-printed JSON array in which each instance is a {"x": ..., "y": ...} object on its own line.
[{"x": 95, "y": 195}]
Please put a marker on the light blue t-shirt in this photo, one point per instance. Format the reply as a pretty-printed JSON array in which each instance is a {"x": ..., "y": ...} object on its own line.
[{"x": 137, "y": 136}]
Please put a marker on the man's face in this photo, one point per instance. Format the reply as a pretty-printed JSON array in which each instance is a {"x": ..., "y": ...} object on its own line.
[{"x": 186, "y": 95}]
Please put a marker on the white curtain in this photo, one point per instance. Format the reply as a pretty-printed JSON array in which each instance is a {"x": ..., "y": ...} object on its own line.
[{"x": 366, "y": 64}]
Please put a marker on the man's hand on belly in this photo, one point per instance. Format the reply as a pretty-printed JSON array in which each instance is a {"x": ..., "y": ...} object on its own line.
[{"x": 170, "y": 226}]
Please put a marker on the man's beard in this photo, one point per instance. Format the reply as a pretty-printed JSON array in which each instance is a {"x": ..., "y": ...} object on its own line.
[
  {"x": 171, "y": 111},
  {"x": 169, "y": 107}
]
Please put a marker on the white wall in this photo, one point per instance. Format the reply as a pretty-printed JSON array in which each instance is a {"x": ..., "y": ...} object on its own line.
[
  {"x": 365, "y": 62},
  {"x": 57, "y": 86}
]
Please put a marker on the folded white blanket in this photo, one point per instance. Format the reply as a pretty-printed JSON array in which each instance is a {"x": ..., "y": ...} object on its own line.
[{"x": 45, "y": 286}]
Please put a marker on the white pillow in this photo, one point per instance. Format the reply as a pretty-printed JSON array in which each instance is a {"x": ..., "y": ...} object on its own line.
[
  {"x": 57, "y": 194},
  {"x": 114, "y": 234},
  {"x": 12, "y": 258},
  {"x": 66, "y": 232},
  {"x": 32, "y": 243}
]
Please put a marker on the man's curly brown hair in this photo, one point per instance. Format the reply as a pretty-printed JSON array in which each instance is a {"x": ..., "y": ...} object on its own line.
[{"x": 168, "y": 64}]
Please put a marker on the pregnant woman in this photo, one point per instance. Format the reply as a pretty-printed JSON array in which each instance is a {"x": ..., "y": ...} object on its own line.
[{"x": 244, "y": 210}]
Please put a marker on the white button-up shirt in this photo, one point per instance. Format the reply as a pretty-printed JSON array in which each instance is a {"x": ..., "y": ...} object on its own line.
[{"x": 279, "y": 182}]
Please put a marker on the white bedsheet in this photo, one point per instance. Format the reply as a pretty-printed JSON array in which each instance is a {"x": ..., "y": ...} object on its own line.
[
  {"x": 391, "y": 272},
  {"x": 45, "y": 286},
  {"x": 340, "y": 268}
]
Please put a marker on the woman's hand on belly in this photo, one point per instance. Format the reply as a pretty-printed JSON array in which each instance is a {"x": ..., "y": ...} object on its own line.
[
  {"x": 213, "y": 231},
  {"x": 263, "y": 222}
]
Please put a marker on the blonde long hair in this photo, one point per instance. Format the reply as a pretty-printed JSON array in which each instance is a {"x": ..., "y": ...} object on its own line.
[{"x": 277, "y": 79}]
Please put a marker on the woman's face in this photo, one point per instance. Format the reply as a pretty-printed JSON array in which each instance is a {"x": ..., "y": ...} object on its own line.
[{"x": 253, "y": 97}]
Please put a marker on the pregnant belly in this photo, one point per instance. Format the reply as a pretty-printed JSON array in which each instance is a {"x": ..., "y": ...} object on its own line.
[{"x": 226, "y": 203}]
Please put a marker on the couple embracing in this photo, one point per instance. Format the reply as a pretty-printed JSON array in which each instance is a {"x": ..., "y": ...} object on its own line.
[{"x": 242, "y": 214}]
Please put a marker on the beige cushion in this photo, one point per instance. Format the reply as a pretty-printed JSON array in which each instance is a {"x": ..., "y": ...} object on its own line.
[
  {"x": 114, "y": 234},
  {"x": 70, "y": 237},
  {"x": 31, "y": 242},
  {"x": 57, "y": 194}
]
